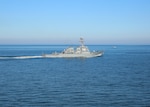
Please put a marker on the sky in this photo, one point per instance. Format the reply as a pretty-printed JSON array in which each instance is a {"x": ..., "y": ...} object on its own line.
[{"x": 65, "y": 21}]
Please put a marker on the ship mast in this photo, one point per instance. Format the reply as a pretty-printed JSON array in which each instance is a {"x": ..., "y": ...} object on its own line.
[{"x": 82, "y": 41}]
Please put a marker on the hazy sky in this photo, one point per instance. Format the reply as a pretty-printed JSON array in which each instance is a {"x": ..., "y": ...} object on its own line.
[{"x": 65, "y": 21}]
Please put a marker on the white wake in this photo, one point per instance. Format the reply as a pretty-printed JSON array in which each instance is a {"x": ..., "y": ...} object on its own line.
[{"x": 20, "y": 57}]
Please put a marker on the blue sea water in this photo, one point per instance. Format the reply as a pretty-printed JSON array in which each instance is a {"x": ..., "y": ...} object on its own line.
[{"x": 120, "y": 78}]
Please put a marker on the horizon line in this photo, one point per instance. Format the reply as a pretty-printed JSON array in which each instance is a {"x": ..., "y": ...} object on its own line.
[{"x": 73, "y": 44}]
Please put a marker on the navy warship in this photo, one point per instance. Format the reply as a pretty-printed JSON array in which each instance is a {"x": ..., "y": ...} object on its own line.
[{"x": 81, "y": 51}]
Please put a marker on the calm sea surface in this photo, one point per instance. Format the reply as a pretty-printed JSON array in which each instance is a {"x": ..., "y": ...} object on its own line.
[{"x": 120, "y": 78}]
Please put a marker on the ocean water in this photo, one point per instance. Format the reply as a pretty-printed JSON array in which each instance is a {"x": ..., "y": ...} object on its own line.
[{"x": 120, "y": 78}]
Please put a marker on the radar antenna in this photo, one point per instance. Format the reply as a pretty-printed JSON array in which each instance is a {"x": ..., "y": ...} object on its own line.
[{"x": 82, "y": 41}]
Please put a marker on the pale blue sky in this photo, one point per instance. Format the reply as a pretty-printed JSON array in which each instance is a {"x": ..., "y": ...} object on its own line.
[{"x": 65, "y": 21}]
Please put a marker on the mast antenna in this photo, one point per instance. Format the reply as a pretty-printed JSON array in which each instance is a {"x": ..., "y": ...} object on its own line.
[{"x": 82, "y": 41}]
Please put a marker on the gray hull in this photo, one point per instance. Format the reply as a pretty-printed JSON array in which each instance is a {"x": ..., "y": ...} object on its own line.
[{"x": 83, "y": 55}]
